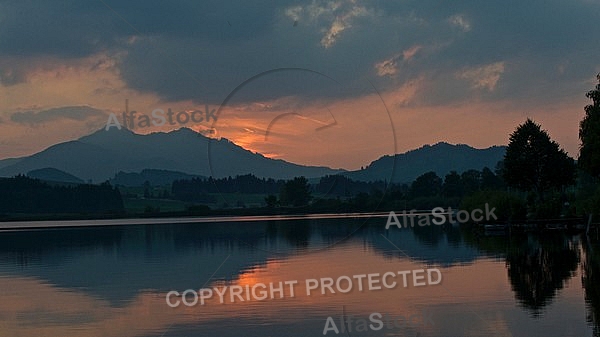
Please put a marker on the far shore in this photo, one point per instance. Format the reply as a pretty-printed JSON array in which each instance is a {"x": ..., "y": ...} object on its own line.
[{"x": 44, "y": 224}]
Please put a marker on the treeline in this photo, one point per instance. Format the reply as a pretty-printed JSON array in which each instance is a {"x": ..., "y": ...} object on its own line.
[
  {"x": 201, "y": 189},
  {"x": 340, "y": 193},
  {"x": 339, "y": 185},
  {"x": 22, "y": 194},
  {"x": 426, "y": 192}
]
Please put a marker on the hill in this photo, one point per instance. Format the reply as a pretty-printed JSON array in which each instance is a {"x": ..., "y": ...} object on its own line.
[
  {"x": 440, "y": 158},
  {"x": 54, "y": 175}
]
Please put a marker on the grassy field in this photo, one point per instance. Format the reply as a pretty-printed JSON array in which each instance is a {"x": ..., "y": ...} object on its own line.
[
  {"x": 224, "y": 200},
  {"x": 138, "y": 205},
  {"x": 135, "y": 206}
]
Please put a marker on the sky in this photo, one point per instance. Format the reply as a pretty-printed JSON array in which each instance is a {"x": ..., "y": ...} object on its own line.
[{"x": 336, "y": 83}]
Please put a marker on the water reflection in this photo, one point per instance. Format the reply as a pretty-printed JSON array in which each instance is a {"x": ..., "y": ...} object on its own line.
[
  {"x": 80, "y": 281},
  {"x": 591, "y": 282},
  {"x": 538, "y": 266}
]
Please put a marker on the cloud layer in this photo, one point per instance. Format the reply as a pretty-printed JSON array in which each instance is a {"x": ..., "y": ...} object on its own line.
[
  {"x": 201, "y": 50},
  {"x": 76, "y": 60}
]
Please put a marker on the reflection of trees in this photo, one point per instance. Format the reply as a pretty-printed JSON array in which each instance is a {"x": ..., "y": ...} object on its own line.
[
  {"x": 591, "y": 283},
  {"x": 434, "y": 235},
  {"x": 296, "y": 232},
  {"x": 539, "y": 266},
  {"x": 24, "y": 247},
  {"x": 428, "y": 235}
]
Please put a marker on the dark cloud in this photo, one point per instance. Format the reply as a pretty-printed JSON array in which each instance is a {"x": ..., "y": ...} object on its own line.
[
  {"x": 66, "y": 29},
  {"x": 77, "y": 113},
  {"x": 201, "y": 50}
]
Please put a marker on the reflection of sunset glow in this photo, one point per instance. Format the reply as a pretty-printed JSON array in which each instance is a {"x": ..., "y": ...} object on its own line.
[
  {"x": 248, "y": 278},
  {"x": 480, "y": 287},
  {"x": 262, "y": 274}
]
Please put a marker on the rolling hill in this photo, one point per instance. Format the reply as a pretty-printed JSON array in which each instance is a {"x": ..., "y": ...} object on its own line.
[{"x": 440, "y": 158}]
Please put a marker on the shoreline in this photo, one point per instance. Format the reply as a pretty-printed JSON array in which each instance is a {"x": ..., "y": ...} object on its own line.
[{"x": 48, "y": 224}]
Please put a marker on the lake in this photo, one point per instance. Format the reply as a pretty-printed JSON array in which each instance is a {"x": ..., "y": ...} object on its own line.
[{"x": 113, "y": 280}]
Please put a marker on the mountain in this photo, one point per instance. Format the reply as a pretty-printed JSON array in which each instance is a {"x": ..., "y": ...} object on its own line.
[
  {"x": 8, "y": 161},
  {"x": 101, "y": 155},
  {"x": 153, "y": 177},
  {"x": 54, "y": 175},
  {"x": 161, "y": 157},
  {"x": 440, "y": 158}
]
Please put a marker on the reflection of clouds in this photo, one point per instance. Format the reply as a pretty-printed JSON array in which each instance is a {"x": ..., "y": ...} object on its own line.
[{"x": 75, "y": 313}]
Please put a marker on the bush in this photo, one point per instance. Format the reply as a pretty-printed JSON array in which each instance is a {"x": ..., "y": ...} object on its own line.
[{"x": 509, "y": 206}]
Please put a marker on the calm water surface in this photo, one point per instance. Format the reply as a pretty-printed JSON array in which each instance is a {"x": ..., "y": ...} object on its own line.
[{"x": 113, "y": 281}]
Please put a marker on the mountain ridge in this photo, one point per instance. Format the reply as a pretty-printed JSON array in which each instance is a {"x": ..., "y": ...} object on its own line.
[
  {"x": 101, "y": 155},
  {"x": 440, "y": 158}
]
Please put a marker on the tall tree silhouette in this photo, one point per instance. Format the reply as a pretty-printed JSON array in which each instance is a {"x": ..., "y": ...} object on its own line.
[
  {"x": 426, "y": 185},
  {"x": 453, "y": 185},
  {"x": 295, "y": 192},
  {"x": 534, "y": 162},
  {"x": 589, "y": 134}
]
